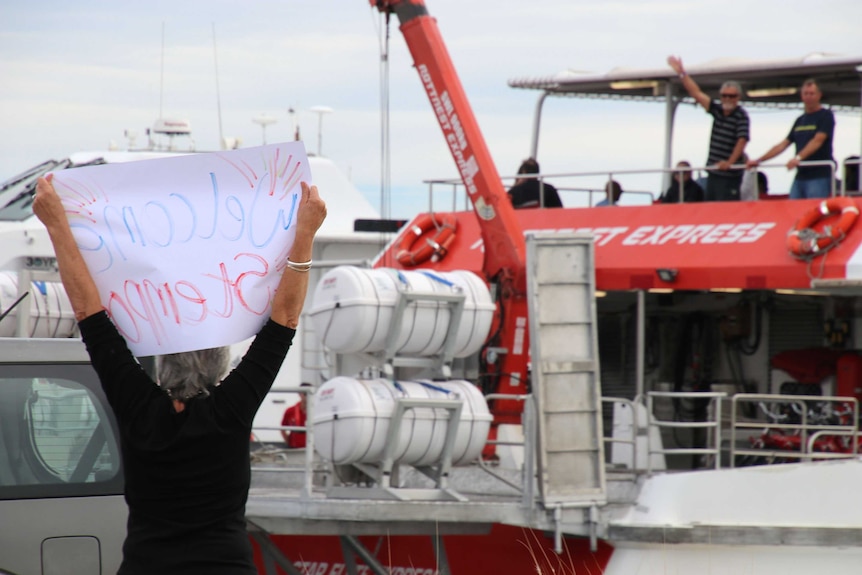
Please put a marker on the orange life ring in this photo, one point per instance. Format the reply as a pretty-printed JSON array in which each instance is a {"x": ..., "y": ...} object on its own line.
[
  {"x": 428, "y": 238},
  {"x": 804, "y": 241}
]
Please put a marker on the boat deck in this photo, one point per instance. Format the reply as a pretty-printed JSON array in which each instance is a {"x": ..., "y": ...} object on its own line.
[
  {"x": 640, "y": 508},
  {"x": 475, "y": 498}
]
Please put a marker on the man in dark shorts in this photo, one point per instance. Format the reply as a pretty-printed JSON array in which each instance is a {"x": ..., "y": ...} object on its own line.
[{"x": 730, "y": 134}]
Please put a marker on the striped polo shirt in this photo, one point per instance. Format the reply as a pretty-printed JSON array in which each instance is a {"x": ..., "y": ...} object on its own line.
[{"x": 726, "y": 131}]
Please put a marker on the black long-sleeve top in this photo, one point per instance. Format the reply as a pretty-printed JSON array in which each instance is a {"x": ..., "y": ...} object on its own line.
[
  {"x": 187, "y": 474},
  {"x": 691, "y": 192}
]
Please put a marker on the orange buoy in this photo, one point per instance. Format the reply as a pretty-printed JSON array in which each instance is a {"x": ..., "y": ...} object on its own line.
[
  {"x": 805, "y": 242},
  {"x": 428, "y": 238}
]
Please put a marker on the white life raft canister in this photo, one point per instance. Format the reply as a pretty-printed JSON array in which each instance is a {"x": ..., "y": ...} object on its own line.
[
  {"x": 50, "y": 311},
  {"x": 351, "y": 419},
  {"x": 352, "y": 309}
]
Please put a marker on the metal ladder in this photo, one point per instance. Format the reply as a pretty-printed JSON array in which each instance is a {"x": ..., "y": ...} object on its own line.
[{"x": 565, "y": 370}]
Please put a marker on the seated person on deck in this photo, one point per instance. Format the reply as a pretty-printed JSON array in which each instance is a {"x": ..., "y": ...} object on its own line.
[
  {"x": 613, "y": 193},
  {"x": 526, "y": 191},
  {"x": 691, "y": 191}
]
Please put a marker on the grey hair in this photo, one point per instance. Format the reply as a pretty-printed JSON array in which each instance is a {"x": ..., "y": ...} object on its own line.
[
  {"x": 188, "y": 375},
  {"x": 732, "y": 84}
]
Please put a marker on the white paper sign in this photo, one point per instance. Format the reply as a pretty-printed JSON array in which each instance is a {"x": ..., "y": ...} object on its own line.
[{"x": 187, "y": 251}]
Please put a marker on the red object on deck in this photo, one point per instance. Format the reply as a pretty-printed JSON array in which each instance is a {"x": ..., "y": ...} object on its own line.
[
  {"x": 811, "y": 365},
  {"x": 804, "y": 241},
  {"x": 848, "y": 377}
]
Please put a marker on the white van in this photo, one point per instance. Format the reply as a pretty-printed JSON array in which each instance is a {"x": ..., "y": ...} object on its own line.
[{"x": 61, "y": 480}]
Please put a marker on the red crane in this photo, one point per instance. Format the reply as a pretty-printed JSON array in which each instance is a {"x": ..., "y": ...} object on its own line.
[{"x": 503, "y": 238}]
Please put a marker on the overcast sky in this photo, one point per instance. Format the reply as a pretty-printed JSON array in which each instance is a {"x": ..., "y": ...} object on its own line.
[{"x": 75, "y": 75}]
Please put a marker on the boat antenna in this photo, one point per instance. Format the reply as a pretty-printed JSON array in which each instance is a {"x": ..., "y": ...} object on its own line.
[
  {"x": 383, "y": 40},
  {"x": 162, "y": 72},
  {"x": 218, "y": 94},
  {"x": 385, "y": 174},
  {"x": 385, "y": 161},
  {"x": 320, "y": 111},
  {"x": 292, "y": 113}
]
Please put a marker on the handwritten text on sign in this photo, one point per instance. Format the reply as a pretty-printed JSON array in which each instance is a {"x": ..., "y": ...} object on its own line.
[{"x": 187, "y": 251}]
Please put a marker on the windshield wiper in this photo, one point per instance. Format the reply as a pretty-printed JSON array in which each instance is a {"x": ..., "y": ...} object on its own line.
[
  {"x": 29, "y": 178},
  {"x": 35, "y": 170}
]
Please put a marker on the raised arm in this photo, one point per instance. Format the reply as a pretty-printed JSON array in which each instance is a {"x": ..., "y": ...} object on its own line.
[
  {"x": 291, "y": 290},
  {"x": 675, "y": 62},
  {"x": 76, "y": 278}
]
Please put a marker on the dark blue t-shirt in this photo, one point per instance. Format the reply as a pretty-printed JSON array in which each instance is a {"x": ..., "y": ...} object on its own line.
[{"x": 804, "y": 128}]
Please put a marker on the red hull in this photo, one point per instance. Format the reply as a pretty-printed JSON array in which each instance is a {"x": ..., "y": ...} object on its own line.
[{"x": 505, "y": 550}]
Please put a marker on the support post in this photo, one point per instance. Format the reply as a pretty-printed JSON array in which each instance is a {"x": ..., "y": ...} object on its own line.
[
  {"x": 640, "y": 335},
  {"x": 670, "y": 103},
  {"x": 537, "y": 123}
]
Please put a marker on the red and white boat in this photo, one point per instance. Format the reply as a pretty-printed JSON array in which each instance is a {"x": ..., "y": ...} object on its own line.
[
  {"x": 644, "y": 365},
  {"x": 667, "y": 388}
]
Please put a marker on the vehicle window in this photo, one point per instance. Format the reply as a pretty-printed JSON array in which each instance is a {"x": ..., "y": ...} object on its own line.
[
  {"x": 16, "y": 193},
  {"x": 56, "y": 436},
  {"x": 19, "y": 209},
  {"x": 16, "y": 197}
]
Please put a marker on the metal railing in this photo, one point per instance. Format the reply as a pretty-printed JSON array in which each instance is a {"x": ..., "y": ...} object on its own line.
[
  {"x": 711, "y": 423},
  {"x": 812, "y": 445},
  {"x": 633, "y": 442},
  {"x": 308, "y": 462},
  {"x": 527, "y": 488},
  {"x": 808, "y": 164},
  {"x": 459, "y": 195},
  {"x": 807, "y": 431},
  {"x": 812, "y": 432}
]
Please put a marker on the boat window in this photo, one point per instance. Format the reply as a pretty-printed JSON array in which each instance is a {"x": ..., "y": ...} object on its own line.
[
  {"x": 19, "y": 209},
  {"x": 57, "y": 437},
  {"x": 16, "y": 194},
  {"x": 17, "y": 201}
]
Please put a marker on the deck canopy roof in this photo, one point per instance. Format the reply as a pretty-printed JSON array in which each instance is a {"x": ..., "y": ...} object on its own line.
[{"x": 765, "y": 83}]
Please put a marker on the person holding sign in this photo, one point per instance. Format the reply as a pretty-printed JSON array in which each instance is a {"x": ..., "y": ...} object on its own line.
[{"x": 185, "y": 452}]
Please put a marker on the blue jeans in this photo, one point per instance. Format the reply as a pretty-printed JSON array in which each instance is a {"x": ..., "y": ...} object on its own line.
[{"x": 810, "y": 189}]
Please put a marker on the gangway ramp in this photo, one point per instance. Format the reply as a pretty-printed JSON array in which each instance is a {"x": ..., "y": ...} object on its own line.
[{"x": 565, "y": 369}]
